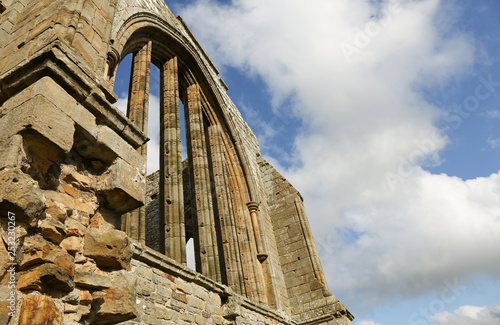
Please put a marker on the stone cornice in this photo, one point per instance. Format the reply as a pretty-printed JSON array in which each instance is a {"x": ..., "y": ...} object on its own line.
[{"x": 57, "y": 62}]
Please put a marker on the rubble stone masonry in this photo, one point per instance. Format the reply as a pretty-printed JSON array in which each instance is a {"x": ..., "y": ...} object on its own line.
[{"x": 86, "y": 236}]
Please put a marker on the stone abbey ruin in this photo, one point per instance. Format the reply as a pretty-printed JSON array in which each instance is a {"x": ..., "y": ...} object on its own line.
[{"x": 87, "y": 237}]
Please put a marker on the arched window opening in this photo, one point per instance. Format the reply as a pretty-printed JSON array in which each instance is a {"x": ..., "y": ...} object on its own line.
[
  {"x": 153, "y": 145},
  {"x": 122, "y": 83},
  {"x": 187, "y": 203},
  {"x": 190, "y": 255}
]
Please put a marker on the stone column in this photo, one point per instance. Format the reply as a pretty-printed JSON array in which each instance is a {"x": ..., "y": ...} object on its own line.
[
  {"x": 171, "y": 190},
  {"x": 206, "y": 241},
  {"x": 232, "y": 260},
  {"x": 253, "y": 208},
  {"x": 137, "y": 112},
  {"x": 252, "y": 270}
]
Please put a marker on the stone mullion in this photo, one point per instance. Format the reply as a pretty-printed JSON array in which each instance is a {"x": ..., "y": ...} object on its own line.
[
  {"x": 137, "y": 112},
  {"x": 171, "y": 189},
  {"x": 253, "y": 277},
  {"x": 207, "y": 237},
  {"x": 228, "y": 229}
]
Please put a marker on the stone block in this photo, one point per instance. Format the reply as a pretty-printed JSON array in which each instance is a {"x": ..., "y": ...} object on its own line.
[
  {"x": 110, "y": 139},
  {"x": 85, "y": 297},
  {"x": 120, "y": 300},
  {"x": 72, "y": 298},
  {"x": 36, "y": 250},
  {"x": 110, "y": 248},
  {"x": 123, "y": 185},
  {"x": 12, "y": 153},
  {"x": 57, "y": 210},
  {"x": 20, "y": 194},
  {"x": 37, "y": 114},
  {"x": 7, "y": 304},
  {"x": 39, "y": 310},
  {"x": 71, "y": 244},
  {"x": 45, "y": 278},
  {"x": 60, "y": 98},
  {"x": 52, "y": 230},
  {"x": 92, "y": 280}
]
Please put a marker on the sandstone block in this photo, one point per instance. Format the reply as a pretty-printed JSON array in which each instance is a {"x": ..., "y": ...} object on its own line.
[
  {"x": 109, "y": 249},
  {"x": 92, "y": 280},
  {"x": 6, "y": 306},
  {"x": 39, "y": 310},
  {"x": 124, "y": 186},
  {"x": 85, "y": 297},
  {"x": 120, "y": 301},
  {"x": 52, "y": 230},
  {"x": 37, "y": 114},
  {"x": 20, "y": 194},
  {"x": 71, "y": 244},
  {"x": 36, "y": 250},
  {"x": 12, "y": 153},
  {"x": 72, "y": 298},
  {"x": 57, "y": 210},
  {"x": 78, "y": 180},
  {"x": 4, "y": 260},
  {"x": 47, "y": 87},
  {"x": 45, "y": 278},
  {"x": 110, "y": 139}
]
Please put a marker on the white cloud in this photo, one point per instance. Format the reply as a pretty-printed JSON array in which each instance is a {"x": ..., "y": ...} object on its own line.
[
  {"x": 363, "y": 121},
  {"x": 469, "y": 315},
  {"x": 367, "y": 322},
  {"x": 494, "y": 114},
  {"x": 494, "y": 143}
]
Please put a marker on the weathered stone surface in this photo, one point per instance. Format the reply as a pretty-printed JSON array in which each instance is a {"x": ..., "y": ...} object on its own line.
[
  {"x": 36, "y": 250},
  {"x": 39, "y": 310},
  {"x": 45, "y": 278},
  {"x": 57, "y": 210},
  {"x": 7, "y": 304},
  {"x": 85, "y": 297},
  {"x": 71, "y": 244},
  {"x": 37, "y": 114},
  {"x": 72, "y": 298},
  {"x": 4, "y": 260},
  {"x": 20, "y": 194},
  {"x": 52, "y": 230},
  {"x": 58, "y": 125},
  {"x": 123, "y": 186},
  {"x": 98, "y": 221},
  {"x": 12, "y": 153},
  {"x": 78, "y": 180},
  {"x": 91, "y": 280},
  {"x": 120, "y": 302},
  {"x": 110, "y": 248}
]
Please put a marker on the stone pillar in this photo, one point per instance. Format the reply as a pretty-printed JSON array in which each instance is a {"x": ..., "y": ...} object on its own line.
[
  {"x": 232, "y": 261},
  {"x": 253, "y": 208},
  {"x": 252, "y": 270},
  {"x": 206, "y": 241},
  {"x": 137, "y": 111},
  {"x": 171, "y": 191}
]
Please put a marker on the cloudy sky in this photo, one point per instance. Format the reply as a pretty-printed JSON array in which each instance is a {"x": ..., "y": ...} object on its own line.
[{"x": 385, "y": 115}]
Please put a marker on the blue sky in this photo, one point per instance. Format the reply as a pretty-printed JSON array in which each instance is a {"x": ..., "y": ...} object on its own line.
[{"x": 385, "y": 116}]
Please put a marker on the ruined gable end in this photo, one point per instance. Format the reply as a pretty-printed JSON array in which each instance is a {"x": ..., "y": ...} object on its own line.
[{"x": 94, "y": 239}]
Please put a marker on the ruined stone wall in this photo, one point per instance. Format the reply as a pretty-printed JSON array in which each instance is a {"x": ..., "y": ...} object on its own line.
[
  {"x": 308, "y": 292},
  {"x": 89, "y": 242}
]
